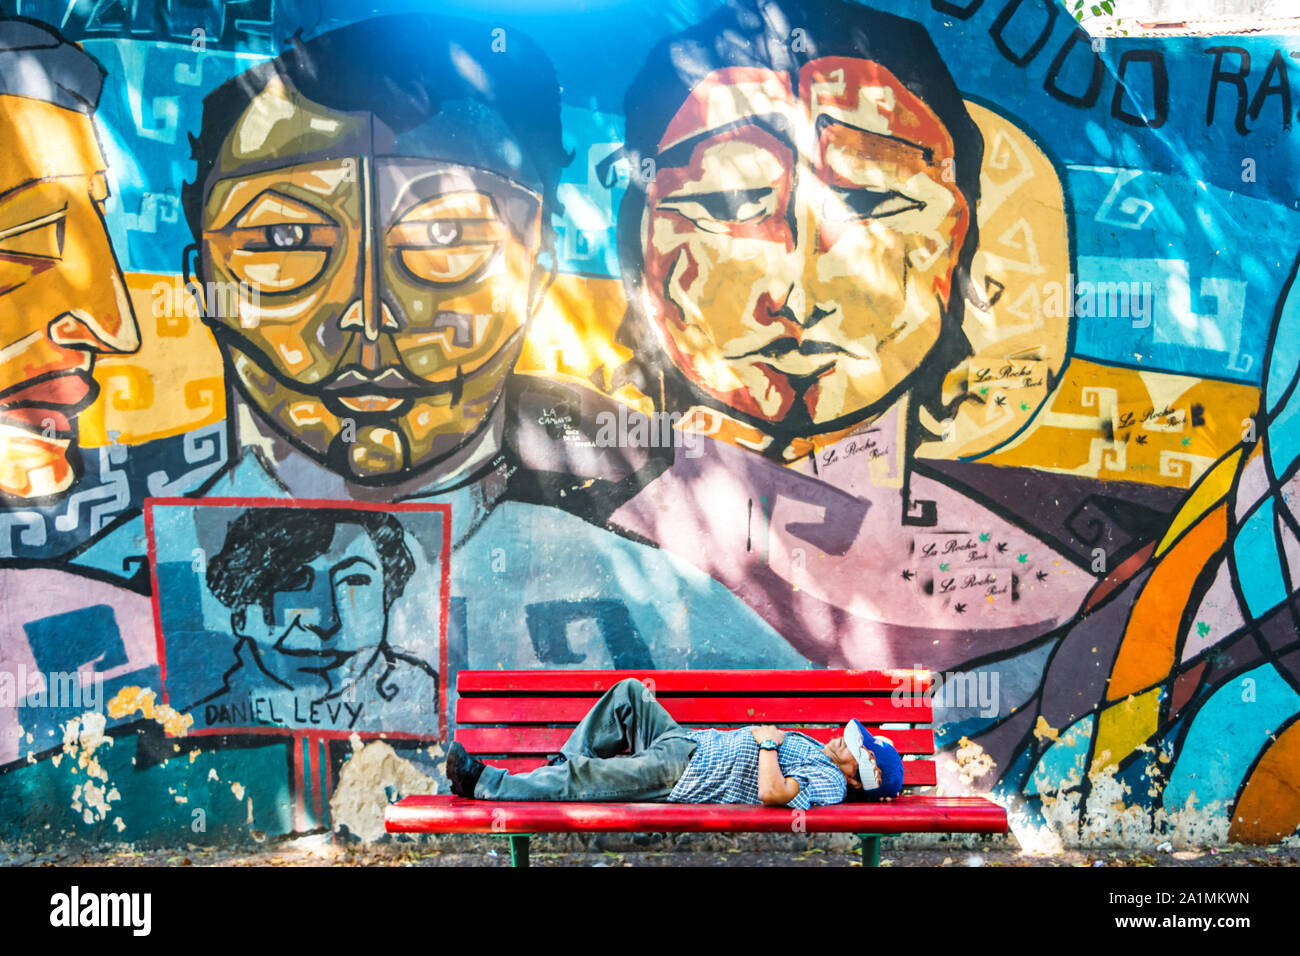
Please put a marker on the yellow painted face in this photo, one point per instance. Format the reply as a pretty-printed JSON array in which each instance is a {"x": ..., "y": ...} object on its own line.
[
  {"x": 370, "y": 306},
  {"x": 799, "y": 244},
  {"x": 62, "y": 296}
]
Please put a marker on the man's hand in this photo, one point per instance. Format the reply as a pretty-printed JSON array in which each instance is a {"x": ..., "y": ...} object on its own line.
[{"x": 768, "y": 732}]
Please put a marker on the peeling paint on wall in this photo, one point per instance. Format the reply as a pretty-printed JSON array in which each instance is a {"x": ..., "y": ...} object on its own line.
[
  {"x": 373, "y": 777},
  {"x": 132, "y": 700}
]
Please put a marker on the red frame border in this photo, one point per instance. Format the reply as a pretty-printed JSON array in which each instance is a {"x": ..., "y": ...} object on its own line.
[{"x": 444, "y": 601}]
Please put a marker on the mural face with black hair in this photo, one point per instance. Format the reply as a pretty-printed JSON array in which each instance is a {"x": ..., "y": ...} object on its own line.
[
  {"x": 804, "y": 244},
  {"x": 373, "y": 215},
  {"x": 311, "y": 589}
]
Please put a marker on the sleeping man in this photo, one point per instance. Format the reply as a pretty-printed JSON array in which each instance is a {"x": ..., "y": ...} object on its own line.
[{"x": 628, "y": 748}]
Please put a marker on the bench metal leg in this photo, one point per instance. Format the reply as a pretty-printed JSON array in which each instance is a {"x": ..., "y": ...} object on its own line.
[
  {"x": 870, "y": 848},
  {"x": 519, "y": 849}
]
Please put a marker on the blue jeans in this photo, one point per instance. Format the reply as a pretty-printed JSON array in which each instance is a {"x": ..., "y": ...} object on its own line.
[{"x": 626, "y": 718}]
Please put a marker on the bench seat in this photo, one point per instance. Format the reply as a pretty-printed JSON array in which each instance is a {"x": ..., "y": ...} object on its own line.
[{"x": 908, "y": 813}]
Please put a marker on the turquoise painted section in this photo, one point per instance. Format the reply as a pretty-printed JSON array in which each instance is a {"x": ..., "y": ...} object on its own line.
[
  {"x": 1227, "y": 737},
  {"x": 1062, "y": 766},
  {"x": 1285, "y": 359},
  {"x": 1261, "y": 581},
  {"x": 183, "y": 800}
]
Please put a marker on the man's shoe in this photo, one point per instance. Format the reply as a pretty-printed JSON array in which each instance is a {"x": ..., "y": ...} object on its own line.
[{"x": 462, "y": 770}]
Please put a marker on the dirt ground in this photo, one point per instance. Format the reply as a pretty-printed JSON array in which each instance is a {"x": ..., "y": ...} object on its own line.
[{"x": 319, "y": 850}]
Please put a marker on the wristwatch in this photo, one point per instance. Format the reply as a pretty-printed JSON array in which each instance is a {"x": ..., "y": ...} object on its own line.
[{"x": 769, "y": 744}]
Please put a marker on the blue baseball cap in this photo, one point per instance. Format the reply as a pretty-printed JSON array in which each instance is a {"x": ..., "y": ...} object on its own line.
[{"x": 879, "y": 765}]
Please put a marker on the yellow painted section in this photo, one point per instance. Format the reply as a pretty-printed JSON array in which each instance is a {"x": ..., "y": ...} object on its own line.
[
  {"x": 172, "y": 385},
  {"x": 573, "y": 337},
  {"x": 1105, "y": 422},
  {"x": 1125, "y": 726},
  {"x": 1213, "y": 487},
  {"x": 55, "y": 141},
  {"x": 1018, "y": 340},
  {"x": 129, "y": 700}
]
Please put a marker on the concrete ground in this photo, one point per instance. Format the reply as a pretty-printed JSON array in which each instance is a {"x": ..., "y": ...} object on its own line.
[{"x": 319, "y": 850}]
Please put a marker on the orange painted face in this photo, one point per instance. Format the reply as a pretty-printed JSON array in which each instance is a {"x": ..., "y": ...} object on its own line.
[
  {"x": 799, "y": 245},
  {"x": 62, "y": 296},
  {"x": 370, "y": 306}
]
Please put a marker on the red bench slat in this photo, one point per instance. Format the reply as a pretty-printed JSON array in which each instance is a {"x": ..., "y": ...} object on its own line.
[
  {"x": 548, "y": 740},
  {"x": 702, "y": 710},
  {"x": 909, "y": 813},
  {"x": 916, "y": 773},
  {"x": 743, "y": 682}
]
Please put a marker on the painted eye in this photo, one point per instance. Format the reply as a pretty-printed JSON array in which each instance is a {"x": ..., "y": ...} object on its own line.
[
  {"x": 852, "y": 204},
  {"x": 450, "y": 239},
  {"x": 286, "y": 235},
  {"x": 42, "y": 238},
  {"x": 443, "y": 233},
  {"x": 714, "y": 211}
]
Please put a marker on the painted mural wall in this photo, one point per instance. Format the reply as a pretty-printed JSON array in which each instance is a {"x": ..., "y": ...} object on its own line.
[{"x": 339, "y": 354}]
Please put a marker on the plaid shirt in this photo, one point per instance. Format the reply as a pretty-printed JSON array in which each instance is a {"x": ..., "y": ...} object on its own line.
[{"x": 724, "y": 769}]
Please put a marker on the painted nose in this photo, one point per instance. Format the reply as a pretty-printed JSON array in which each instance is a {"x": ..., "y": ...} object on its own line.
[
  {"x": 370, "y": 322},
  {"x": 369, "y": 314},
  {"x": 323, "y": 618},
  {"x": 102, "y": 321},
  {"x": 794, "y": 280},
  {"x": 800, "y": 306},
  {"x": 372, "y": 352}
]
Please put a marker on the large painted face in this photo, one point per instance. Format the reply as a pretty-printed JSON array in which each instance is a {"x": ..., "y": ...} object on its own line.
[
  {"x": 322, "y": 614},
  {"x": 369, "y": 304},
  {"x": 62, "y": 297},
  {"x": 799, "y": 245}
]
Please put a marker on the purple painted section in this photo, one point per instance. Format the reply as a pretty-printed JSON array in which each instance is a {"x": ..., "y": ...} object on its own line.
[
  {"x": 1079, "y": 671},
  {"x": 1075, "y": 514},
  {"x": 1219, "y": 611},
  {"x": 841, "y": 576},
  {"x": 27, "y": 595}
]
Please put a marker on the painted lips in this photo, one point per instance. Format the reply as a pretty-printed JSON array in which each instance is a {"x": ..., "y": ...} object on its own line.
[
  {"x": 793, "y": 345},
  {"x": 390, "y": 392},
  {"x": 370, "y": 403},
  {"x": 49, "y": 402},
  {"x": 778, "y": 348}
]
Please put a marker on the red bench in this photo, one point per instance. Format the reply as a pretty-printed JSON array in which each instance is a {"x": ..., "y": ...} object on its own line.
[{"x": 515, "y": 719}]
